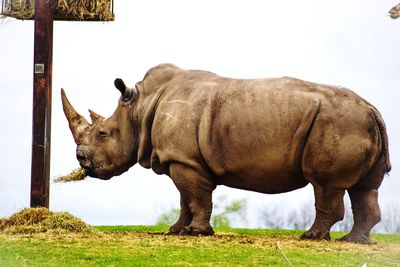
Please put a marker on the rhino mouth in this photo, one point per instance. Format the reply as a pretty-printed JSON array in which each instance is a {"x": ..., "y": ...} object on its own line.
[
  {"x": 100, "y": 170},
  {"x": 103, "y": 172},
  {"x": 93, "y": 169}
]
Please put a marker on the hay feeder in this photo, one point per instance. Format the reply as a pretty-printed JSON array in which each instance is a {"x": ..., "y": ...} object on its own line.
[{"x": 67, "y": 10}]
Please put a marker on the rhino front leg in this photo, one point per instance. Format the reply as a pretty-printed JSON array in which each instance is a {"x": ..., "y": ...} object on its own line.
[
  {"x": 196, "y": 195},
  {"x": 185, "y": 218},
  {"x": 329, "y": 209}
]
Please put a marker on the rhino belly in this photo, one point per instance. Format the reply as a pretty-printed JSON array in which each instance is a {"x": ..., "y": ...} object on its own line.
[
  {"x": 262, "y": 181},
  {"x": 257, "y": 164}
]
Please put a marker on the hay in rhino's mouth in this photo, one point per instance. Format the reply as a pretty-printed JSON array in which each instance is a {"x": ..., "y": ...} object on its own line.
[{"x": 76, "y": 175}]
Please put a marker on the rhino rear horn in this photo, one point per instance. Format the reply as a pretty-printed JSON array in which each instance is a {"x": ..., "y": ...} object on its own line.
[
  {"x": 95, "y": 117},
  {"x": 77, "y": 123},
  {"x": 126, "y": 93}
]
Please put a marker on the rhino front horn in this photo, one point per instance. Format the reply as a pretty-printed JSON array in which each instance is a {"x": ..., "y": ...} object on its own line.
[
  {"x": 77, "y": 123},
  {"x": 126, "y": 93}
]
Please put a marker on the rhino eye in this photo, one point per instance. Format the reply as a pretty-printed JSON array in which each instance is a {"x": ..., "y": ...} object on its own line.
[{"x": 103, "y": 134}]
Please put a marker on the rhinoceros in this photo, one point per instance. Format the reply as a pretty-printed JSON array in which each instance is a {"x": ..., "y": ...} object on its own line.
[
  {"x": 394, "y": 12},
  {"x": 265, "y": 135}
]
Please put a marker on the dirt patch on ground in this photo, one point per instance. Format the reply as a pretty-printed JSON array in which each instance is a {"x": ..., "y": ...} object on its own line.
[{"x": 41, "y": 220}]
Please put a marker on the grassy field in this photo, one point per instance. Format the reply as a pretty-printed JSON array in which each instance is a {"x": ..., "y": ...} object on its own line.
[{"x": 149, "y": 246}]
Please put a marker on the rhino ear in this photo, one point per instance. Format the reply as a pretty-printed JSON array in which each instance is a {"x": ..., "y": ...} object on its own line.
[
  {"x": 120, "y": 85},
  {"x": 95, "y": 117},
  {"x": 126, "y": 93}
]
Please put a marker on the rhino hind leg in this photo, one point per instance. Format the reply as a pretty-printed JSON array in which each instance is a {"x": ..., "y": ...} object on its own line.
[
  {"x": 196, "y": 201},
  {"x": 329, "y": 210},
  {"x": 366, "y": 212},
  {"x": 364, "y": 203}
]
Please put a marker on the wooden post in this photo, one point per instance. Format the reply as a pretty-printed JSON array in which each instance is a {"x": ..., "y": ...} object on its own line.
[{"x": 41, "y": 128}]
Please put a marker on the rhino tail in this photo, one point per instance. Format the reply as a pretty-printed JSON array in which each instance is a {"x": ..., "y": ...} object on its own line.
[{"x": 384, "y": 138}]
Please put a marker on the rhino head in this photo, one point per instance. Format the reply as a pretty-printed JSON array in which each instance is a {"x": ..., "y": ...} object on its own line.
[{"x": 106, "y": 147}]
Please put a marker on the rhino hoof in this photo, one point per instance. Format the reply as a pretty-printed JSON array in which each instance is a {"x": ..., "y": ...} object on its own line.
[
  {"x": 176, "y": 230},
  {"x": 187, "y": 230},
  {"x": 196, "y": 231},
  {"x": 316, "y": 235},
  {"x": 172, "y": 233},
  {"x": 356, "y": 238},
  {"x": 184, "y": 230}
]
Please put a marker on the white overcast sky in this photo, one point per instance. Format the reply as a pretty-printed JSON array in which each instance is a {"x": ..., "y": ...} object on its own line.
[{"x": 349, "y": 43}]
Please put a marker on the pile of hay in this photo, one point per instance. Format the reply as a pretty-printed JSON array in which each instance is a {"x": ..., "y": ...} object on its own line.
[
  {"x": 101, "y": 10},
  {"x": 19, "y": 9},
  {"x": 41, "y": 220},
  {"x": 76, "y": 175}
]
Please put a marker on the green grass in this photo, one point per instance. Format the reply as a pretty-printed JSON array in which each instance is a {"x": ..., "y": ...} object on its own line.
[{"x": 149, "y": 246}]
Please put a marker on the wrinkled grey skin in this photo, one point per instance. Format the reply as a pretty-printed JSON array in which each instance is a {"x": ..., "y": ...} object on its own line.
[{"x": 264, "y": 135}]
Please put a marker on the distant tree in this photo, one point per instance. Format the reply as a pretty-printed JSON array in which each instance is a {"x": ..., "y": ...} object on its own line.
[
  {"x": 273, "y": 217},
  {"x": 169, "y": 217},
  {"x": 391, "y": 218},
  {"x": 232, "y": 212},
  {"x": 302, "y": 218}
]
